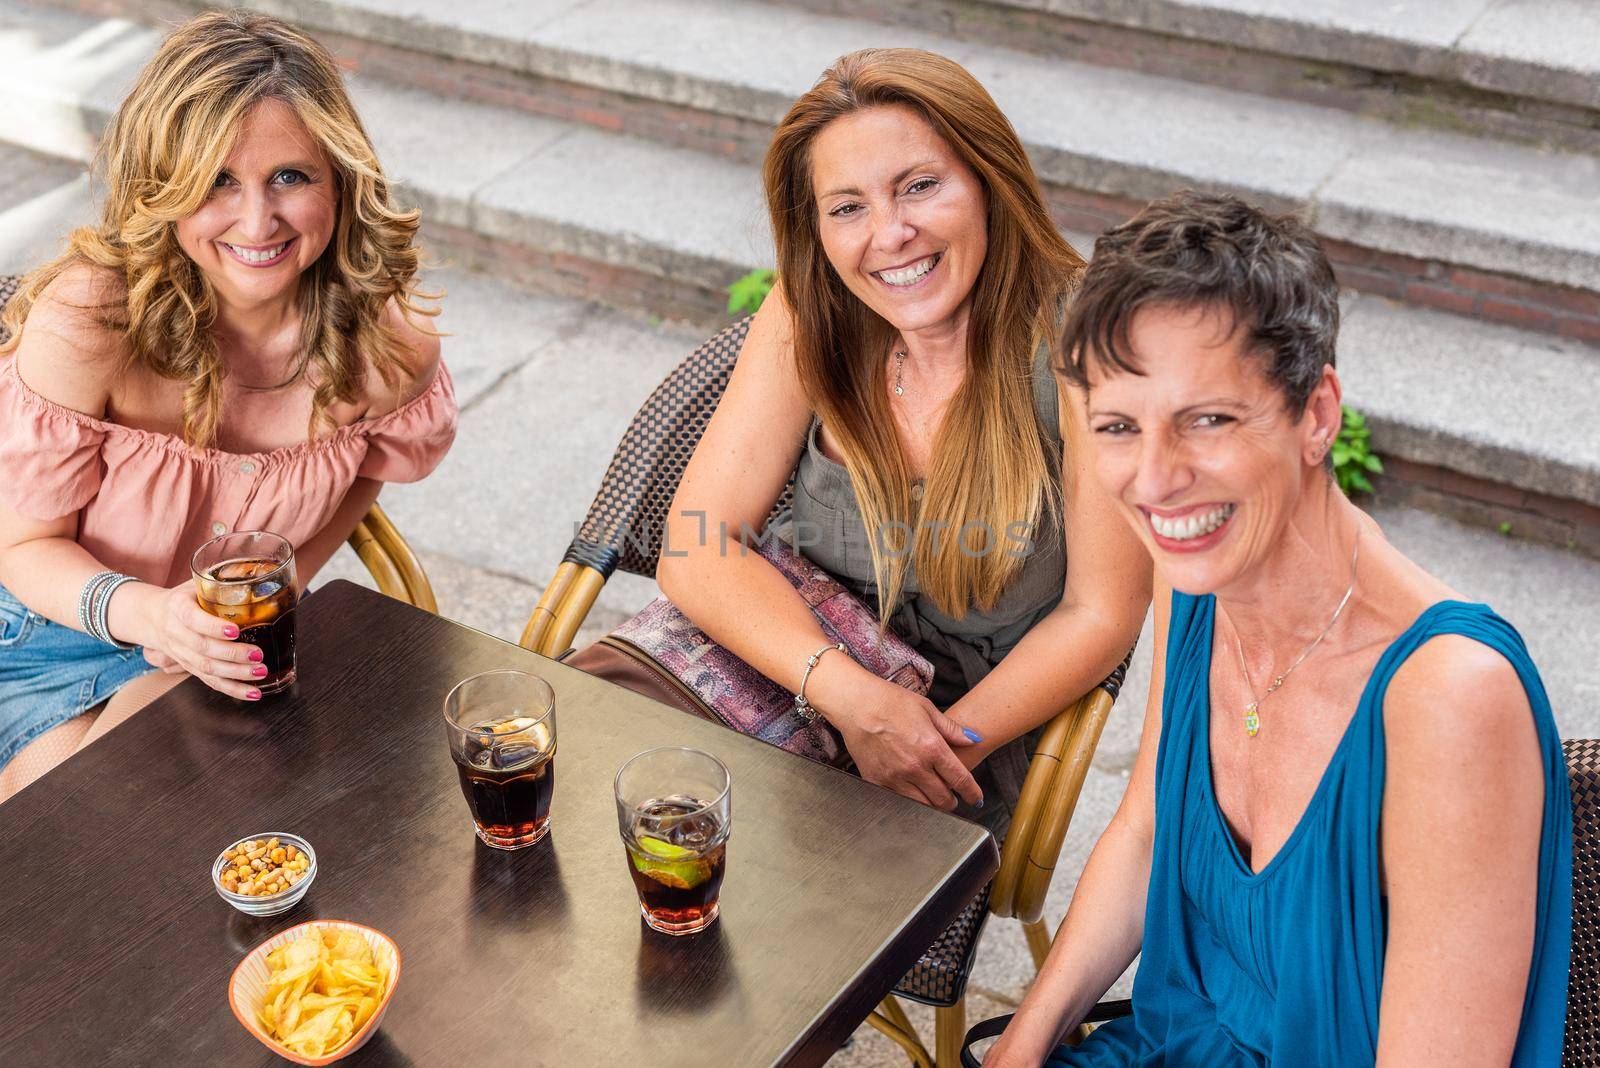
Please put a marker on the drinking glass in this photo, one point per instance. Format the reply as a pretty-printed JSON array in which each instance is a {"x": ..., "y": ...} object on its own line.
[
  {"x": 502, "y": 731},
  {"x": 247, "y": 578},
  {"x": 674, "y": 808}
]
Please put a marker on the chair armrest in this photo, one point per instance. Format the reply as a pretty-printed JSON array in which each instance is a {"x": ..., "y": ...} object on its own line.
[
  {"x": 1050, "y": 791},
  {"x": 1036, "y": 791},
  {"x": 562, "y": 608},
  {"x": 1093, "y": 709},
  {"x": 393, "y": 565}
]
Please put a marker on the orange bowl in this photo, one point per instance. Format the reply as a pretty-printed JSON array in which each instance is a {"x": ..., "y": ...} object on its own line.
[{"x": 247, "y": 990}]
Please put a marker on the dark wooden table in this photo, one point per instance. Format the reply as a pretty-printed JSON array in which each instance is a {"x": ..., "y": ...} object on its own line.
[{"x": 115, "y": 949}]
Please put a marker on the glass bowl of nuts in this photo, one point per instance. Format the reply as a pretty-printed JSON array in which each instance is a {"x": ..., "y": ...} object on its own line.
[{"x": 265, "y": 874}]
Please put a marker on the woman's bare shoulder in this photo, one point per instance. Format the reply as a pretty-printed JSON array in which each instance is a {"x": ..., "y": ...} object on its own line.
[
  {"x": 69, "y": 351},
  {"x": 1457, "y": 704},
  {"x": 418, "y": 350}
]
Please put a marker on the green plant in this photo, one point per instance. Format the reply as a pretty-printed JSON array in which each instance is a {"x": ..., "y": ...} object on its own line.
[
  {"x": 746, "y": 295},
  {"x": 1353, "y": 458}
]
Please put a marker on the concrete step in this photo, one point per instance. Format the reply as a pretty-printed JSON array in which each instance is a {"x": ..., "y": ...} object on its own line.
[
  {"x": 1463, "y": 409},
  {"x": 1441, "y": 219},
  {"x": 557, "y": 204},
  {"x": 1521, "y": 71}
]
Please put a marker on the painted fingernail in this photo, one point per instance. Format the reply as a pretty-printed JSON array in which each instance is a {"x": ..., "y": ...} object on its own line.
[
  {"x": 259, "y": 671},
  {"x": 253, "y": 695},
  {"x": 231, "y": 631},
  {"x": 255, "y": 654},
  {"x": 972, "y": 735}
]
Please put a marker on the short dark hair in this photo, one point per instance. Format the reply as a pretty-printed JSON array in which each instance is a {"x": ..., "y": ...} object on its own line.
[{"x": 1210, "y": 250}]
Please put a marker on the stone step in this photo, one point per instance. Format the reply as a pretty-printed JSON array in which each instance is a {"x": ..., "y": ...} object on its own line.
[
  {"x": 1489, "y": 228},
  {"x": 1525, "y": 71},
  {"x": 1460, "y": 407},
  {"x": 558, "y": 204}
]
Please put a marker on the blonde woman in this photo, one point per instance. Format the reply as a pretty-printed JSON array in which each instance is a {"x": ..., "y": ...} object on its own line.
[
  {"x": 903, "y": 364},
  {"x": 236, "y": 345}
]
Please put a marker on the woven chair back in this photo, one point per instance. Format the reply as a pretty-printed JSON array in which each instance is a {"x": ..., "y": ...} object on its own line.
[
  {"x": 8, "y": 286},
  {"x": 1582, "y": 1045},
  {"x": 625, "y": 524}
]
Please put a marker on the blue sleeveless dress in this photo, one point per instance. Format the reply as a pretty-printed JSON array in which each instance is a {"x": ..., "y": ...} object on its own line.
[{"x": 1285, "y": 967}]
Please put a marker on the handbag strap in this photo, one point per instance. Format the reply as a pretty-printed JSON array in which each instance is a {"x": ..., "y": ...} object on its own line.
[
  {"x": 987, "y": 1029},
  {"x": 1106, "y": 1010}
]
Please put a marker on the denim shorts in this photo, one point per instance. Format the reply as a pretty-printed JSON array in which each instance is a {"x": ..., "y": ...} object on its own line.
[{"x": 50, "y": 673}]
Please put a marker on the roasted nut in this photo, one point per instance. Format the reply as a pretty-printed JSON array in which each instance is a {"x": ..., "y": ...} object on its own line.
[{"x": 260, "y": 867}]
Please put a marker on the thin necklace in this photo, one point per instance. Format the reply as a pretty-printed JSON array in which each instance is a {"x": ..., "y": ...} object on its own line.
[
  {"x": 899, "y": 372},
  {"x": 1252, "y": 717}
]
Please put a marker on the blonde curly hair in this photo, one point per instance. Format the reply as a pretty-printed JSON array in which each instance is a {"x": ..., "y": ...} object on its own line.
[{"x": 160, "y": 157}]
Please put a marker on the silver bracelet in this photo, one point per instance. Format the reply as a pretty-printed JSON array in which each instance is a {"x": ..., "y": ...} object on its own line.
[
  {"x": 86, "y": 600},
  {"x": 802, "y": 707},
  {"x": 101, "y": 610}
]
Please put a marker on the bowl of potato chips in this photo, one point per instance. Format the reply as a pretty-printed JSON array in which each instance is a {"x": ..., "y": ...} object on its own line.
[{"x": 315, "y": 993}]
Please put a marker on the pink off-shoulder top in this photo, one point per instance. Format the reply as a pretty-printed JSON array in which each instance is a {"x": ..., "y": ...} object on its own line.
[{"x": 147, "y": 501}]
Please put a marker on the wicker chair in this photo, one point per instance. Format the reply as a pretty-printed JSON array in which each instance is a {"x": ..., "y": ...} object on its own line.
[
  {"x": 394, "y": 567},
  {"x": 1581, "y": 1043},
  {"x": 623, "y": 531}
]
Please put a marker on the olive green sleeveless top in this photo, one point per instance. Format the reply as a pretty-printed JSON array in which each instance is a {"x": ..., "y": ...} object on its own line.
[{"x": 826, "y": 526}]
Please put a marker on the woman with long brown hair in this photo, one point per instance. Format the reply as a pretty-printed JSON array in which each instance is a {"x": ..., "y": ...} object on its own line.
[
  {"x": 236, "y": 345},
  {"x": 902, "y": 363}
]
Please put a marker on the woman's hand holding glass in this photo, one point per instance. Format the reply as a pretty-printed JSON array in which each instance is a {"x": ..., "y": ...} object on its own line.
[
  {"x": 897, "y": 738},
  {"x": 179, "y": 635}
]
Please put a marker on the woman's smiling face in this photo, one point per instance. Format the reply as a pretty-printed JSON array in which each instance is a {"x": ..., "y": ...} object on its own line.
[
  {"x": 270, "y": 213},
  {"x": 902, "y": 219},
  {"x": 1201, "y": 448}
]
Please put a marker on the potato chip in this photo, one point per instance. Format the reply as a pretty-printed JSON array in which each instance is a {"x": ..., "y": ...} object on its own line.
[{"x": 322, "y": 988}]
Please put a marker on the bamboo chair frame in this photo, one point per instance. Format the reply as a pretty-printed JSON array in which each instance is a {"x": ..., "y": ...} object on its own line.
[
  {"x": 387, "y": 556},
  {"x": 616, "y": 534}
]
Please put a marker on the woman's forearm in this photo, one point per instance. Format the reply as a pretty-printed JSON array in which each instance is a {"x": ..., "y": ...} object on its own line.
[
  {"x": 320, "y": 547},
  {"x": 1065, "y": 654},
  {"x": 745, "y": 605},
  {"x": 1097, "y": 941},
  {"x": 48, "y": 575}
]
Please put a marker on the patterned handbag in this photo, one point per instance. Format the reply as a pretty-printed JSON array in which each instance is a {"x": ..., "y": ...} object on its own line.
[{"x": 661, "y": 654}]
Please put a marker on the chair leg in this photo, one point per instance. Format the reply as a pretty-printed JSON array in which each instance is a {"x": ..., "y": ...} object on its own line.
[
  {"x": 1038, "y": 941},
  {"x": 890, "y": 1019},
  {"x": 950, "y": 1027}
]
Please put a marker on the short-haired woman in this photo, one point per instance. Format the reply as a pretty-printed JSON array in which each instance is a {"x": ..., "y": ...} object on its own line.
[
  {"x": 236, "y": 345},
  {"x": 902, "y": 362},
  {"x": 1347, "y": 836}
]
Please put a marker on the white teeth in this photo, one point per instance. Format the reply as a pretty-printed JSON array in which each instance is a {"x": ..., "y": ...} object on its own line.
[
  {"x": 1191, "y": 526},
  {"x": 907, "y": 275},
  {"x": 253, "y": 256}
]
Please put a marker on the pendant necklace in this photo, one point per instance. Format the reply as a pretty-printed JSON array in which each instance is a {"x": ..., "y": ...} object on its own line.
[{"x": 1252, "y": 717}]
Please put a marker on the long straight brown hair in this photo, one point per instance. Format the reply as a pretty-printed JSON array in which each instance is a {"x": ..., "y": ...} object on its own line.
[
  {"x": 990, "y": 465},
  {"x": 161, "y": 155}
]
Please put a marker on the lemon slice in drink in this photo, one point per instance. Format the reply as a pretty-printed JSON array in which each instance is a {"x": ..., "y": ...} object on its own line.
[{"x": 668, "y": 864}]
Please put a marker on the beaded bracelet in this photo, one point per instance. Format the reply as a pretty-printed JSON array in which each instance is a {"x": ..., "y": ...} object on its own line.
[
  {"x": 100, "y": 608},
  {"x": 86, "y": 600},
  {"x": 803, "y": 707}
]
